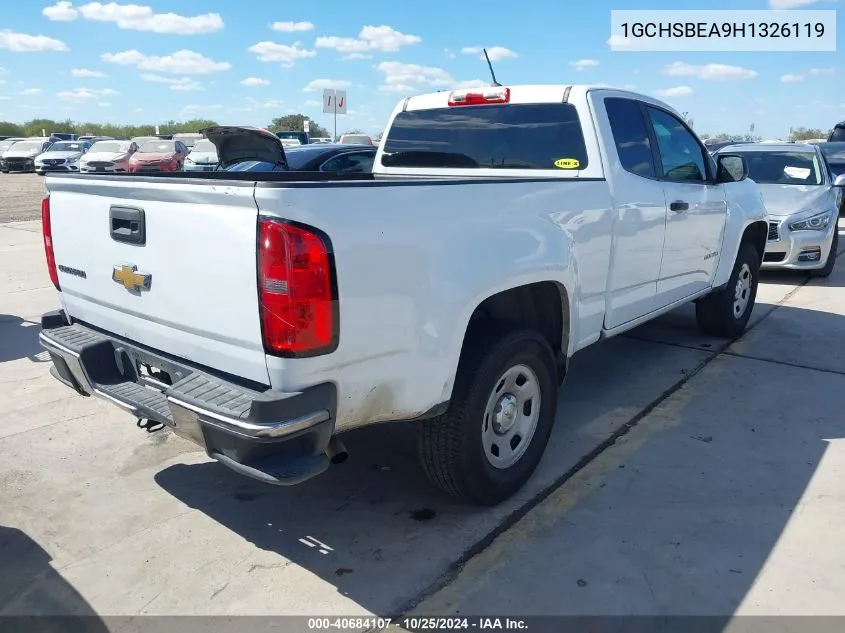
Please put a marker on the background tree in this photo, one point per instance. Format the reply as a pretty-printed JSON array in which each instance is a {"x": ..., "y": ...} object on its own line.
[
  {"x": 294, "y": 123},
  {"x": 354, "y": 131},
  {"x": 34, "y": 128},
  {"x": 803, "y": 134},
  {"x": 733, "y": 138}
]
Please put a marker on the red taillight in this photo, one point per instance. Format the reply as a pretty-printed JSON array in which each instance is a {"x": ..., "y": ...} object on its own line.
[
  {"x": 479, "y": 97},
  {"x": 296, "y": 291},
  {"x": 47, "y": 232}
]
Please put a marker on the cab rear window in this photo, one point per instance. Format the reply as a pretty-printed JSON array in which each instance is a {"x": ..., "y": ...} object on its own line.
[
  {"x": 516, "y": 136},
  {"x": 838, "y": 134}
]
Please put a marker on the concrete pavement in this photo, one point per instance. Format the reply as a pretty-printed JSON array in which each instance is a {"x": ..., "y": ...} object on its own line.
[{"x": 721, "y": 496}]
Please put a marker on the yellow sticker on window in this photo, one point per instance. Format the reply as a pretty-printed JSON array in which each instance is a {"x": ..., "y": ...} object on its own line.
[{"x": 567, "y": 163}]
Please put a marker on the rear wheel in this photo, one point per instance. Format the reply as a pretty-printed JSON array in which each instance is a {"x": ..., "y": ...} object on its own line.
[
  {"x": 726, "y": 312},
  {"x": 825, "y": 270},
  {"x": 500, "y": 417}
]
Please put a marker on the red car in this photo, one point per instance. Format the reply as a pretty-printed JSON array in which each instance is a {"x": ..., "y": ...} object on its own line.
[{"x": 158, "y": 156}]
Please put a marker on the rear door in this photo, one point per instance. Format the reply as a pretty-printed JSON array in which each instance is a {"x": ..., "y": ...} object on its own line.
[{"x": 167, "y": 264}]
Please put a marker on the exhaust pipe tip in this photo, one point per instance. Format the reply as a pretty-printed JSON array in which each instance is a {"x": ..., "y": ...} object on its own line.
[{"x": 336, "y": 451}]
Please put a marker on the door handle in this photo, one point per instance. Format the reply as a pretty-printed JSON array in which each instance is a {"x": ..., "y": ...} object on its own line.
[
  {"x": 678, "y": 206},
  {"x": 127, "y": 224}
]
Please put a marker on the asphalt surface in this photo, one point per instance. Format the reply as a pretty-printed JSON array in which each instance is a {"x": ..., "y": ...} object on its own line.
[
  {"x": 684, "y": 476},
  {"x": 20, "y": 197}
]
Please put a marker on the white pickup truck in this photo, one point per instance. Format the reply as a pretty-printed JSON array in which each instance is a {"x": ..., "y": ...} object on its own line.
[{"x": 262, "y": 315}]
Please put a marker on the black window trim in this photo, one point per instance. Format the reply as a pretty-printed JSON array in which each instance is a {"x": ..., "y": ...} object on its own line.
[{"x": 709, "y": 177}]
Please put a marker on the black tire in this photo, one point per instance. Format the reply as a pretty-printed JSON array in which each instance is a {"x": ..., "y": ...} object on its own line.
[
  {"x": 825, "y": 270},
  {"x": 450, "y": 446},
  {"x": 716, "y": 313}
]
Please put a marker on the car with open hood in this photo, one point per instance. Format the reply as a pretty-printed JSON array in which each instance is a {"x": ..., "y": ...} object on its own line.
[
  {"x": 5, "y": 145},
  {"x": 20, "y": 157},
  {"x": 329, "y": 158},
  {"x": 203, "y": 156},
  {"x": 242, "y": 144},
  {"x": 62, "y": 156},
  {"x": 802, "y": 198},
  {"x": 109, "y": 156},
  {"x": 158, "y": 155}
]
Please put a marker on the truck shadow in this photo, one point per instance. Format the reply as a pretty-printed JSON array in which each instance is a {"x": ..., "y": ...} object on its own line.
[
  {"x": 19, "y": 339},
  {"x": 722, "y": 482},
  {"x": 34, "y": 597}
]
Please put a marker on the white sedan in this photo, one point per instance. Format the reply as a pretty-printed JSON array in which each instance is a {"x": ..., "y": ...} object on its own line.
[{"x": 108, "y": 157}]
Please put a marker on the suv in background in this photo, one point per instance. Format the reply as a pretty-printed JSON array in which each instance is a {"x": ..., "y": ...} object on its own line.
[{"x": 837, "y": 134}]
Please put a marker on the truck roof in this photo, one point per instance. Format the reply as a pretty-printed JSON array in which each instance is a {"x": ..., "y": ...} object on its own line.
[{"x": 527, "y": 93}]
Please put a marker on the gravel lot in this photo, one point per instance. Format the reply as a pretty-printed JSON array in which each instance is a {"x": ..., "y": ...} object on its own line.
[{"x": 20, "y": 197}]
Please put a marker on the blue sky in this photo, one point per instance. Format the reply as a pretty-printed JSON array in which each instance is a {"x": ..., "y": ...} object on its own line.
[{"x": 247, "y": 62}]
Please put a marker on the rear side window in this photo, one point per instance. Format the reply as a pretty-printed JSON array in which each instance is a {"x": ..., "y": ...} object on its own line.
[
  {"x": 517, "y": 136},
  {"x": 630, "y": 135},
  {"x": 838, "y": 134}
]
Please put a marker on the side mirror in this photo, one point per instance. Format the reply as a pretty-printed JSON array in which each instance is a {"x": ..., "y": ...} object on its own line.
[
  {"x": 840, "y": 181},
  {"x": 731, "y": 168}
]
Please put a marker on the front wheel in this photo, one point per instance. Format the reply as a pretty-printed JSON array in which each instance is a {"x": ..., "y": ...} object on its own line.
[
  {"x": 500, "y": 417},
  {"x": 726, "y": 312}
]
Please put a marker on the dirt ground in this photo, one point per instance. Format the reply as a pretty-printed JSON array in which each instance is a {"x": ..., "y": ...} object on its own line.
[{"x": 20, "y": 197}]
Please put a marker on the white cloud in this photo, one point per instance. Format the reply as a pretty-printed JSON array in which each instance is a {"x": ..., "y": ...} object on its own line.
[
  {"x": 582, "y": 64},
  {"x": 371, "y": 38},
  {"x": 629, "y": 87},
  {"x": 822, "y": 71},
  {"x": 2, "y": 98},
  {"x": 791, "y": 79},
  {"x": 181, "y": 62},
  {"x": 790, "y": 4},
  {"x": 414, "y": 78},
  {"x": 254, "y": 82},
  {"x": 23, "y": 43},
  {"x": 108, "y": 91},
  {"x": 77, "y": 94},
  {"x": 679, "y": 91},
  {"x": 30, "y": 91},
  {"x": 104, "y": 104},
  {"x": 324, "y": 84},
  {"x": 61, "y": 12},
  {"x": 3, "y": 71},
  {"x": 495, "y": 53},
  {"x": 182, "y": 84},
  {"x": 449, "y": 54},
  {"x": 355, "y": 56},
  {"x": 292, "y": 27},
  {"x": 281, "y": 53},
  {"x": 194, "y": 110},
  {"x": 716, "y": 72},
  {"x": 84, "y": 72},
  {"x": 618, "y": 41},
  {"x": 135, "y": 17}
]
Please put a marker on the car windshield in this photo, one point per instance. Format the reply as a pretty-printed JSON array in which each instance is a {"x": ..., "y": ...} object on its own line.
[
  {"x": 109, "y": 146},
  {"x": 66, "y": 146},
  {"x": 157, "y": 147},
  {"x": 27, "y": 145},
  {"x": 833, "y": 152},
  {"x": 838, "y": 134},
  {"x": 298, "y": 157},
  {"x": 783, "y": 168},
  {"x": 204, "y": 145}
]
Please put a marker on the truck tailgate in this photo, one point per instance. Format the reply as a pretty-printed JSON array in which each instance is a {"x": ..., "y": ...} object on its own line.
[{"x": 170, "y": 265}]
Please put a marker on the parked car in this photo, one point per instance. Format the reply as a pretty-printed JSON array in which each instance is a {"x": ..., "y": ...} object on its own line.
[
  {"x": 355, "y": 139},
  {"x": 302, "y": 137},
  {"x": 275, "y": 312},
  {"x": 320, "y": 139},
  {"x": 334, "y": 158},
  {"x": 4, "y": 137},
  {"x": 834, "y": 154},
  {"x": 20, "y": 157},
  {"x": 61, "y": 156},
  {"x": 63, "y": 136},
  {"x": 188, "y": 138},
  {"x": 94, "y": 139},
  {"x": 290, "y": 142},
  {"x": 108, "y": 157},
  {"x": 158, "y": 155},
  {"x": 802, "y": 199},
  {"x": 140, "y": 140},
  {"x": 837, "y": 134},
  {"x": 5, "y": 144},
  {"x": 203, "y": 157}
]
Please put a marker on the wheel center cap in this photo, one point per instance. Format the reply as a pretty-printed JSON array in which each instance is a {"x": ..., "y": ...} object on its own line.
[{"x": 504, "y": 415}]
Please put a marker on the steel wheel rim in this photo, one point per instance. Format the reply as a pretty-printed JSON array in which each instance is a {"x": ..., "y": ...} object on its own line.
[
  {"x": 742, "y": 293},
  {"x": 511, "y": 416}
]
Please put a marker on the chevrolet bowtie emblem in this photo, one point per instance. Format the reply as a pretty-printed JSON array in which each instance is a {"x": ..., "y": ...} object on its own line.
[{"x": 130, "y": 278}]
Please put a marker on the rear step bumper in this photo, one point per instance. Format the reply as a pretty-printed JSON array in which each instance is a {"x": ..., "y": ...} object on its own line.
[{"x": 279, "y": 438}]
